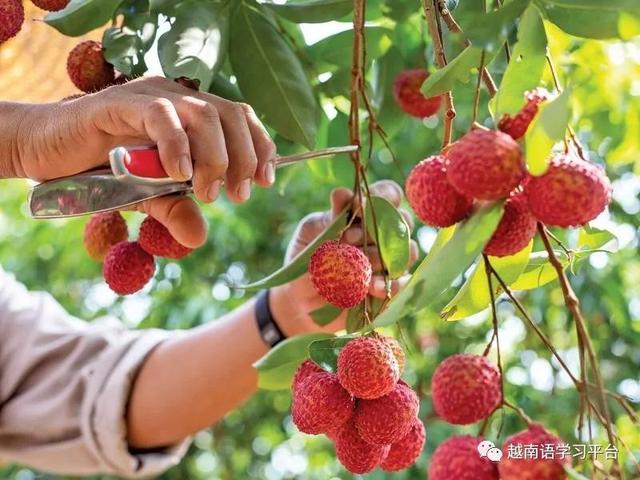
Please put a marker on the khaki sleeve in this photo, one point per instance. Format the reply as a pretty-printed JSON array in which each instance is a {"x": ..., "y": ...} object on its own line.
[{"x": 64, "y": 388}]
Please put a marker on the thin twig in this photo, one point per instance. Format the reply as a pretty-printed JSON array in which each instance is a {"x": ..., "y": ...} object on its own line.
[
  {"x": 476, "y": 98},
  {"x": 526, "y": 418}
]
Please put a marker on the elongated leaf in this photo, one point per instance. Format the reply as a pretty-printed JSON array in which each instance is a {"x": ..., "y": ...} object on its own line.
[
  {"x": 573, "y": 474},
  {"x": 270, "y": 75},
  {"x": 355, "y": 318},
  {"x": 593, "y": 238},
  {"x": 325, "y": 352},
  {"x": 325, "y": 315},
  {"x": 393, "y": 235},
  {"x": 124, "y": 49},
  {"x": 458, "y": 70},
  {"x": 538, "y": 272},
  {"x": 276, "y": 368},
  {"x": 312, "y": 11},
  {"x": 434, "y": 275},
  {"x": 331, "y": 50},
  {"x": 612, "y": 5},
  {"x": 298, "y": 265},
  {"x": 222, "y": 87},
  {"x": 82, "y": 16},
  {"x": 492, "y": 29}
]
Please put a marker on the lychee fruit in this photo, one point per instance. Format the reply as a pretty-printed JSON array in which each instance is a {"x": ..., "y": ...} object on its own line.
[
  {"x": 12, "y": 15},
  {"x": 516, "y": 228},
  {"x": 570, "y": 193},
  {"x": 155, "y": 239},
  {"x": 127, "y": 268},
  {"x": 87, "y": 68},
  {"x": 102, "y": 232},
  {"x": 51, "y": 5},
  {"x": 458, "y": 458},
  {"x": 516, "y": 126},
  {"x": 320, "y": 404},
  {"x": 385, "y": 420},
  {"x": 432, "y": 197},
  {"x": 406, "y": 451},
  {"x": 355, "y": 454},
  {"x": 485, "y": 165},
  {"x": 304, "y": 371},
  {"x": 538, "y": 467},
  {"x": 398, "y": 351},
  {"x": 367, "y": 368},
  {"x": 465, "y": 389},
  {"x": 340, "y": 273},
  {"x": 406, "y": 91}
]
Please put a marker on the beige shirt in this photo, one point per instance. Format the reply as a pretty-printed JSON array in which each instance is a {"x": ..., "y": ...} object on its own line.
[{"x": 64, "y": 387}]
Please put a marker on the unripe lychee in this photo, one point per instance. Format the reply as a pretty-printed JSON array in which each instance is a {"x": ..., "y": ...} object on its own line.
[
  {"x": 458, "y": 459},
  {"x": 51, "y": 5},
  {"x": 102, "y": 232},
  {"x": 12, "y": 16},
  {"x": 87, "y": 68},
  {"x": 516, "y": 126},
  {"x": 320, "y": 404},
  {"x": 406, "y": 451},
  {"x": 465, "y": 389},
  {"x": 385, "y": 420},
  {"x": 155, "y": 239},
  {"x": 570, "y": 193},
  {"x": 398, "y": 351},
  {"x": 432, "y": 197},
  {"x": 538, "y": 468},
  {"x": 355, "y": 454},
  {"x": 406, "y": 91},
  {"x": 485, "y": 165},
  {"x": 304, "y": 371},
  {"x": 341, "y": 273},
  {"x": 367, "y": 368},
  {"x": 516, "y": 228},
  {"x": 127, "y": 268}
]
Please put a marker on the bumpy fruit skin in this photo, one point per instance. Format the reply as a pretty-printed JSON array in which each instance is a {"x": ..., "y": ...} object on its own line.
[
  {"x": 432, "y": 197},
  {"x": 406, "y": 91},
  {"x": 406, "y": 451},
  {"x": 355, "y": 454},
  {"x": 570, "y": 193},
  {"x": 87, "y": 68},
  {"x": 367, "y": 368},
  {"x": 485, "y": 165},
  {"x": 517, "y": 125},
  {"x": 127, "y": 268},
  {"x": 320, "y": 404},
  {"x": 458, "y": 459},
  {"x": 398, "y": 351},
  {"x": 341, "y": 273},
  {"x": 304, "y": 371},
  {"x": 385, "y": 420},
  {"x": 516, "y": 228},
  {"x": 51, "y": 5},
  {"x": 156, "y": 240},
  {"x": 102, "y": 232},
  {"x": 465, "y": 389},
  {"x": 533, "y": 469},
  {"x": 12, "y": 15}
]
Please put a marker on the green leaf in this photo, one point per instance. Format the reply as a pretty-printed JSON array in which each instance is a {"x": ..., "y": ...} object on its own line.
[
  {"x": 196, "y": 45},
  {"x": 276, "y": 368},
  {"x": 436, "y": 272},
  {"x": 547, "y": 128},
  {"x": 325, "y": 315},
  {"x": 596, "y": 5},
  {"x": 331, "y": 50},
  {"x": 492, "y": 29},
  {"x": 162, "y": 6},
  {"x": 538, "y": 271},
  {"x": 124, "y": 49},
  {"x": 594, "y": 238},
  {"x": 457, "y": 70},
  {"x": 355, "y": 318},
  {"x": 312, "y": 11},
  {"x": 325, "y": 352},
  {"x": 270, "y": 75},
  {"x": 298, "y": 265},
  {"x": 393, "y": 235},
  {"x": 573, "y": 474},
  {"x": 474, "y": 296},
  {"x": 222, "y": 87},
  {"x": 82, "y": 16}
]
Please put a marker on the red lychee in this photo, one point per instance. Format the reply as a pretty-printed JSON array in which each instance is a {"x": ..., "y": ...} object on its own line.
[
  {"x": 398, "y": 351},
  {"x": 102, "y": 232},
  {"x": 304, "y": 371},
  {"x": 355, "y": 454},
  {"x": 341, "y": 273},
  {"x": 51, "y": 5},
  {"x": 432, "y": 197},
  {"x": 156, "y": 240},
  {"x": 385, "y": 420},
  {"x": 517, "y": 125},
  {"x": 406, "y": 451},
  {"x": 367, "y": 368},
  {"x": 320, "y": 404},
  {"x": 87, "y": 68},
  {"x": 465, "y": 389},
  {"x": 516, "y": 228},
  {"x": 458, "y": 459},
  {"x": 485, "y": 165},
  {"x": 570, "y": 193},
  {"x": 12, "y": 15},
  {"x": 127, "y": 268},
  {"x": 406, "y": 91},
  {"x": 533, "y": 467}
]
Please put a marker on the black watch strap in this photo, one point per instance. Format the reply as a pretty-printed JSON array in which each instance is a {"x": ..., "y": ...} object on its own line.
[{"x": 267, "y": 326}]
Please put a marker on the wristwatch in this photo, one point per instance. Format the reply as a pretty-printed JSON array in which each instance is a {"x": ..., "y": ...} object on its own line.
[{"x": 267, "y": 326}]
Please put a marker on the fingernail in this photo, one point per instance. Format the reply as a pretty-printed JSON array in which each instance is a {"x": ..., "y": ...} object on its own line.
[
  {"x": 270, "y": 172},
  {"x": 244, "y": 190},
  {"x": 214, "y": 191},
  {"x": 185, "y": 166}
]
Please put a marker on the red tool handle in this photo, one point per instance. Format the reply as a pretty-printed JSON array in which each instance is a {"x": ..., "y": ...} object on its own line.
[{"x": 145, "y": 162}]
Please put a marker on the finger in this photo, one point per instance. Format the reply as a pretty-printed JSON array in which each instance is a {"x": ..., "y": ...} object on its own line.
[
  {"x": 264, "y": 147},
  {"x": 378, "y": 286},
  {"x": 389, "y": 190},
  {"x": 340, "y": 199}
]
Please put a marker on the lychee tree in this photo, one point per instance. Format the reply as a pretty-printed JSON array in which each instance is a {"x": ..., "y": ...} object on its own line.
[{"x": 498, "y": 119}]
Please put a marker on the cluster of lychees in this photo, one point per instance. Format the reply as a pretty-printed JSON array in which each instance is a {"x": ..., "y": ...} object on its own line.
[
  {"x": 129, "y": 265},
  {"x": 365, "y": 408},
  {"x": 12, "y": 14}
]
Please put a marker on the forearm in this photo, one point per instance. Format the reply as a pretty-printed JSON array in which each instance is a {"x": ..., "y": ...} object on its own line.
[{"x": 12, "y": 123}]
